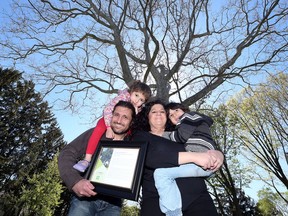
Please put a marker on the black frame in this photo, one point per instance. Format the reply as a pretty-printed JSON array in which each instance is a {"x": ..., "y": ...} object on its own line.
[{"x": 130, "y": 193}]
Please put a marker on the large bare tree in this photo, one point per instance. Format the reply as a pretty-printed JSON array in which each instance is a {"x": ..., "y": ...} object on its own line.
[{"x": 184, "y": 49}]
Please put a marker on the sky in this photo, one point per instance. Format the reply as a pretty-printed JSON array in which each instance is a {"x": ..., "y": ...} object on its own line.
[{"x": 71, "y": 124}]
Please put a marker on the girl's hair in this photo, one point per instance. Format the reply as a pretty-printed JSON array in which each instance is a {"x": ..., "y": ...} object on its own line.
[
  {"x": 138, "y": 86},
  {"x": 142, "y": 122},
  {"x": 174, "y": 106}
]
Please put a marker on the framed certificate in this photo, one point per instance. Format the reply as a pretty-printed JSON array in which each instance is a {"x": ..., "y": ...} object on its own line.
[{"x": 116, "y": 168}]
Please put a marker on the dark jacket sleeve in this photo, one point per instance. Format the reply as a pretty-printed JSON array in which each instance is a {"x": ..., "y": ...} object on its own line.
[
  {"x": 187, "y": 125},
  {"x": 69, "y": 155}
]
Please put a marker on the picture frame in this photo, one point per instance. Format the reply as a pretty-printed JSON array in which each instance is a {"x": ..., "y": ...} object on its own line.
[{"x": 116, "y": 168}]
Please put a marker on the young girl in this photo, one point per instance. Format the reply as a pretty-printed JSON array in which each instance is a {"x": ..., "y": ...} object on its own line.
[
  {"x": 192, "y": 129},
  {"x": 138, "y": 93}
]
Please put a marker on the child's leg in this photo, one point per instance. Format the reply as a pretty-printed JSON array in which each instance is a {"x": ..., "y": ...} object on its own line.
[
  {"x": 169, "y": 194},
  {"x": 96, "y": 135}
]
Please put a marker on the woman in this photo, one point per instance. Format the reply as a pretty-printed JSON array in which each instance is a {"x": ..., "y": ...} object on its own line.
[{"x": 150, "y": 125}]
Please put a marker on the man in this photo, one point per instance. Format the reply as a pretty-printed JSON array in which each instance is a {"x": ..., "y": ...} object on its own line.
[{"x": 85, "y": 200}]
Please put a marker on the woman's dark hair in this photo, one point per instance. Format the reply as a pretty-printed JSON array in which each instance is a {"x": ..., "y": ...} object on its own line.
[{"x": 142, "y": 122}]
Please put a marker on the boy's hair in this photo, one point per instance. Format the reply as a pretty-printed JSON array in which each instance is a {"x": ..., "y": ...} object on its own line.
[
  {"x": 139, "y": 86},
  {"x": 174, "y": 106}
]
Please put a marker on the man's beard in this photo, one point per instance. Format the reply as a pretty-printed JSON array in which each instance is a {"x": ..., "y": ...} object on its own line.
[{"x": 119, "y": 132}]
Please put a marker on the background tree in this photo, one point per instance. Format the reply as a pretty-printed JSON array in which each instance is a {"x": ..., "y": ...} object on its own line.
[
  {"x": 251, "y": 130},
  {"x": 228, "y": 183},
  {"x": 262, "y": 119},
  {"x": 42, "y": 194},
  {"x": 129, "y": 210},
  {"x": 271, "y": 203},
  {"x": 63, "y": 207},
  {"x": 29, "y": 137},
  {"x": 184, "y": 49}
]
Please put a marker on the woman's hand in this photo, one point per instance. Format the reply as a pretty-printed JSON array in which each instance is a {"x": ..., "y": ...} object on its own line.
[
  {"x": 211, "y": 159},
  {"x": 218, "y": 159},
  {"x": 204, "y": 159}
]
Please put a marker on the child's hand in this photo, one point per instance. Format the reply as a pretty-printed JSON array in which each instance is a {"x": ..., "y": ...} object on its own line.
[
  {"x": 109, "y": 133},
  {"x": 136, "y": 109}
]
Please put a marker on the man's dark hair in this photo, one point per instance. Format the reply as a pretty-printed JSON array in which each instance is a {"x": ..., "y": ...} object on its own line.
[{"x": 127, "y": 105}]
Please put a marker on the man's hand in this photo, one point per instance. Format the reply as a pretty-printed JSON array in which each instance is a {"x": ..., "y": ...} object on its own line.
[{"x": 84, "y": 188}]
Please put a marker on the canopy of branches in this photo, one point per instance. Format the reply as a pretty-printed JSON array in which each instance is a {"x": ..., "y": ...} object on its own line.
[{"x": 183, "y": 49}]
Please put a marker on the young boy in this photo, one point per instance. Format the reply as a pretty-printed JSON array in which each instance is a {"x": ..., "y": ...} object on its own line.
[{"x": 192, "y": 129}]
